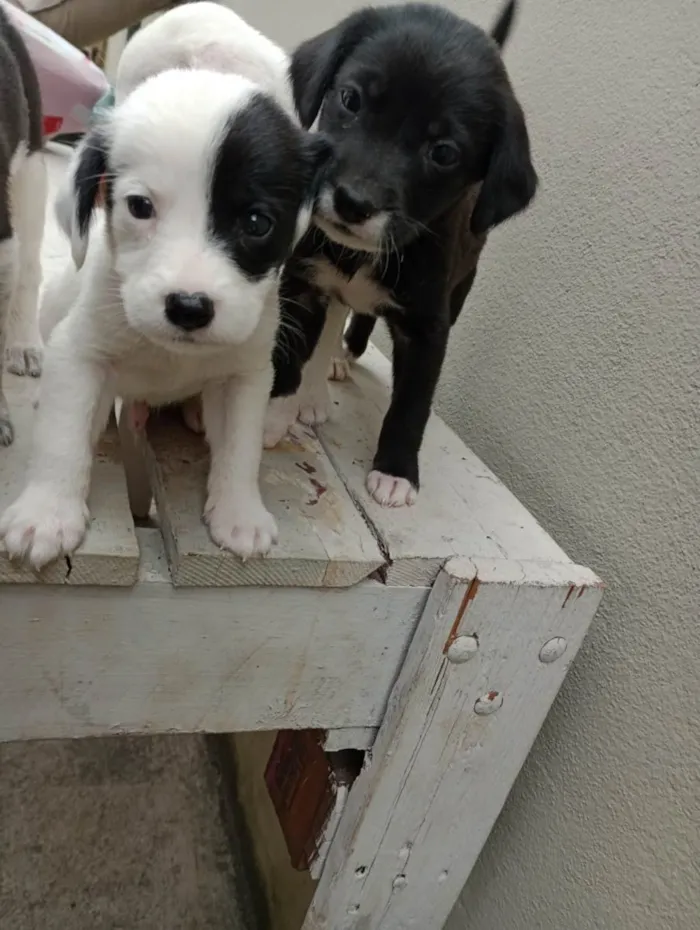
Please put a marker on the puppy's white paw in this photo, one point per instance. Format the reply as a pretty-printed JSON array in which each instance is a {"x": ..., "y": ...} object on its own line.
[
  {"x": 340, "y": 368},
  {"x": 192, "y": 414},
  {"x": 390, "y": 491},
  {"x": 43, "y": 524},
  {"x": 23, "y": 359},
  {"x": 315, "y": 406},
  {"x": 281, "y": 414},
  {"x": 246, "y": 528}
]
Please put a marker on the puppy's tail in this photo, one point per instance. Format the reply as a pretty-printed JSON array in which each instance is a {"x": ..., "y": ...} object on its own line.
[{"x": 504, "y": 23}]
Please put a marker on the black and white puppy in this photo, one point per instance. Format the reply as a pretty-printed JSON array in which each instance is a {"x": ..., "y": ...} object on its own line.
[
  {"x": 22, "y": 200},
  {"x": 206, "y": 182},
  {"x": 431, "y": 151}
]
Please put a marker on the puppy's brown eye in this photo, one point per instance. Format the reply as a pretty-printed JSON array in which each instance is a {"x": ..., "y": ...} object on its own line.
[
  {"x": 141, "y": 208},
  {"x": 257, "y": 225},
  {"x": 444, "y": 154},
  {"x": 350, "y": 99}
]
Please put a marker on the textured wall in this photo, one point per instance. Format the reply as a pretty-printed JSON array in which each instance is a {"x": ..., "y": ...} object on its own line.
[{"x": 575, "y": 375}]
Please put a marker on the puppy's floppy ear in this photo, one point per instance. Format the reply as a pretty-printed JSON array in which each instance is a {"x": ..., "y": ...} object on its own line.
[
  {"x": 511, "y": 180},
  {"x": 317, "y": 155},
  {"x": 316, "y": 61},
  {"x": 87, "y": 182},
  {"x": 318, "y": 151}
]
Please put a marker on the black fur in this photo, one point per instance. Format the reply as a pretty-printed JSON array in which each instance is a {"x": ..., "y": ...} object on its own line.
[
  {"x": 423, "y": 75},
  {"x": 20, "y": 111},
  {"x": 265, "y": 165},
  {"x": 90, "y": 169}
]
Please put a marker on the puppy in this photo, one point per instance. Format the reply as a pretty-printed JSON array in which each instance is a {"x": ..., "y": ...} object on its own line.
[
  {"x": 204, "y": 179},
  {"x": 201, "y": 36},
  {"x": 431, "y": 151},
  {"x": 22, "y": 199}
]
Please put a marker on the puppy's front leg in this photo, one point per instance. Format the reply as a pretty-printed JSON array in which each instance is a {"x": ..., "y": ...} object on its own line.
[
  {"x": 234, "y": 414},
  {"x": 418, "y": 358},
  {"x": 302, "y": 321},
  {"x": 314, "y": 395},
  {"x": 50, "y": 516}
]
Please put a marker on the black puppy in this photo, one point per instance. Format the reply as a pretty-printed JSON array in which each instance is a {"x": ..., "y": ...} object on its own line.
[{"x": 431, "y": 152}]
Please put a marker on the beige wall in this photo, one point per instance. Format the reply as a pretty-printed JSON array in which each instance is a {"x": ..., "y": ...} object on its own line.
[{"x": 575, "y": 375}]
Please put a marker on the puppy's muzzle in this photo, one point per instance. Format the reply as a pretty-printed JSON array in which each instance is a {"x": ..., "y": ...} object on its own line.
[
  {"x": 352, "y": 207},
  {"x": 189, "y": 312}
]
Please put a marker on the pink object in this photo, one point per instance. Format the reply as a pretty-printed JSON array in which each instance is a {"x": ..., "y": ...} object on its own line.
[{"x": 70, "y": 83}]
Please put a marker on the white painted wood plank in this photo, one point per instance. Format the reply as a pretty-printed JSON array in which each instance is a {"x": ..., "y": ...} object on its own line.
[
  {"x": 349, "y": 738},
  {"x": 109, "y": 554},
  {"x": 463, "y": 509},
  {"x": 152, "y": 658},
  {"x": 324, "y": 541},
  {"x": 419, "y": 814}
]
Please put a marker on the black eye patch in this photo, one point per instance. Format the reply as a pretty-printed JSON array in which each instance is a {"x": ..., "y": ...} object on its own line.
[{"x": 259, "y": 182}]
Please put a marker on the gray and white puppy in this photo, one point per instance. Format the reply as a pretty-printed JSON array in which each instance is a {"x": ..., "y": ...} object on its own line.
[{"x": 22, "y": 204}]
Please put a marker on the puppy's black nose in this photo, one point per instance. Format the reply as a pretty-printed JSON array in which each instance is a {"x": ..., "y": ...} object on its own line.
[
  {"x": 351, "y": 206},
  {"x": 189, "y": 311}
]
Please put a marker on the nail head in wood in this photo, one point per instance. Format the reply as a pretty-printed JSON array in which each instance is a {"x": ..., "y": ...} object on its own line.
[
  {"x": 489, "y": 703},
  {"x": 400, "y": 882},
  {"x": 553, "y": 649},
  {"x": 462, "y": 649}
]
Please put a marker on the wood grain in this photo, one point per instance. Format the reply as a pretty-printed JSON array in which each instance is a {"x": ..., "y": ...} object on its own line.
[
  {"x": 419, "y": 814},
  {"x": 463, "y": 509},
  {"x": 154, "y": 658},
  {"x": 324, "y": 540}
]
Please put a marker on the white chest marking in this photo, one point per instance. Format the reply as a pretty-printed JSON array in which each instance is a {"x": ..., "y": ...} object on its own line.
[{"x": 361, "y": 292}]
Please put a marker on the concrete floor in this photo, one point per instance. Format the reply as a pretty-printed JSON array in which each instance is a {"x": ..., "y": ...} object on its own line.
[{"x": 115, "y": 834}]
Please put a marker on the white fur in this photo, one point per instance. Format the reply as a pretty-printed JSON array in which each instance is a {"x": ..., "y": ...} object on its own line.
[
  {"x": 209, "y": 36},
  {"x": 114, "y": 339},
  {"x": 390, "y": 491},
  {"x": 20, "y": 275},
  {"x": 204, "y": 36}
]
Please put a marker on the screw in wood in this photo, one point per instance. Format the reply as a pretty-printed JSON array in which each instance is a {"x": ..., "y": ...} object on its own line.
[
  {"x": 488, "y": 703},
  {"x": 462, "y": 649},
  {"x": 553, "y": 649}
]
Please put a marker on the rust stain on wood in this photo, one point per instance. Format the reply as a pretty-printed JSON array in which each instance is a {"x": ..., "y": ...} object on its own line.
[
  {"x": 320, "y": 490},
  {"x": 306, "y": 467},
  {"x": 469, "y": 596},
  {"x": 583, "y": 589},
  {"x": 571, "y": 590}
]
